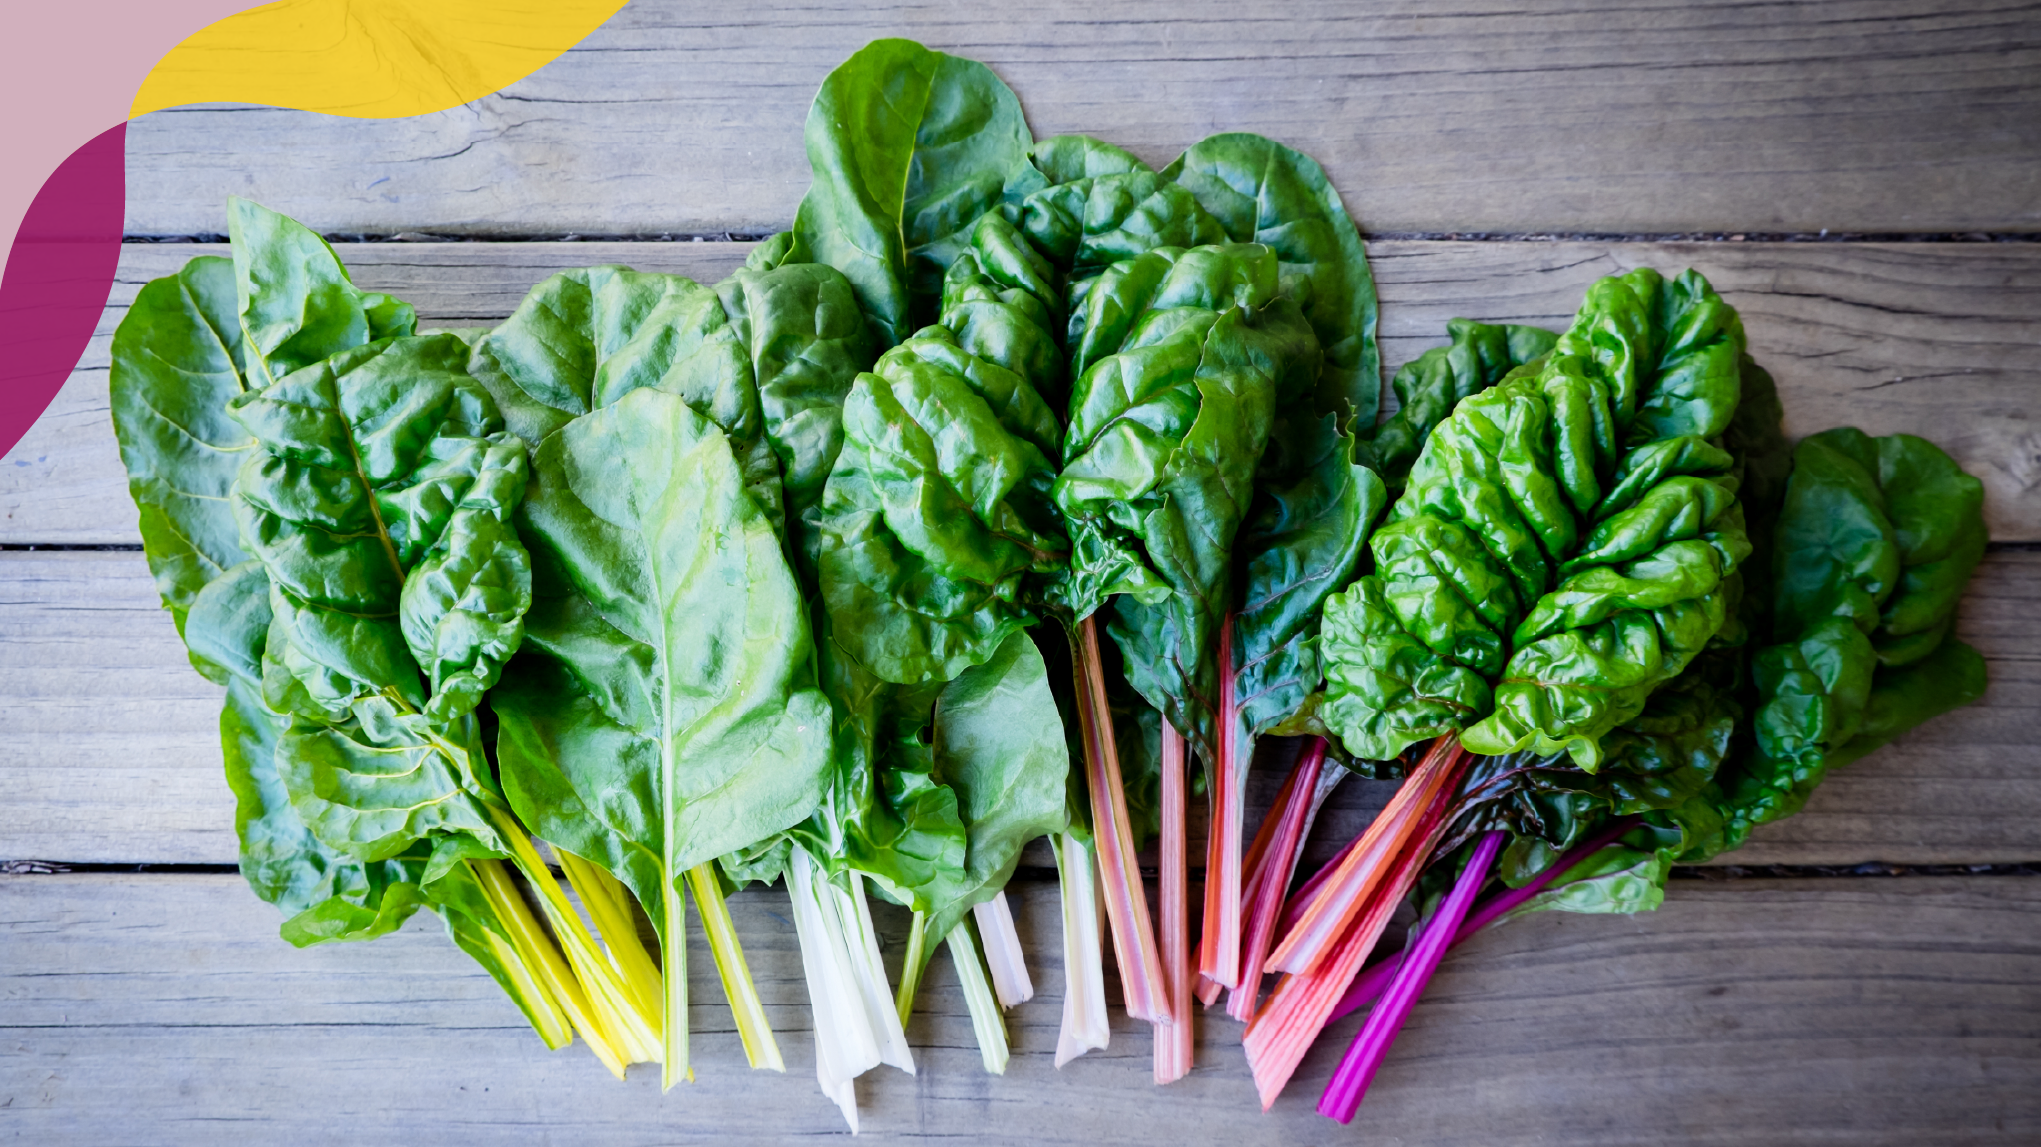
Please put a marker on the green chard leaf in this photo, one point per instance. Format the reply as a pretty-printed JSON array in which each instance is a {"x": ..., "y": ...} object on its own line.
[
  {"x": 1427, "y": 388},
  {"x": 1166, "y": 431},
  {"x": 296, "y": 303},
  {"x": 1304, "y": 542},
  {"x": 909, "y": 147},
  {"x": 938, "y": 506},
  {"x": 1263, "y": 192},
  {"x": 1876, "y": 539},
  {"x": 951, "y": 781},
  {"x": 665, "y": 711},
  {"x": 178, "y": 362},
  {"x": 1570, "y": 537}
]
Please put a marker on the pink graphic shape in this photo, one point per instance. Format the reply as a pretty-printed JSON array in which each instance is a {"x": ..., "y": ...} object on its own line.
[{"x": 58, "y": 276}]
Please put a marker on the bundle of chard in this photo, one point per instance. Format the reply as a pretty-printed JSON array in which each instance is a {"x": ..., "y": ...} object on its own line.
[{"x": 698, "y": 586}]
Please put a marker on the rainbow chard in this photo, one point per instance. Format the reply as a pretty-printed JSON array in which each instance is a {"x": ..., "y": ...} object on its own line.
[
  {"x": 1568, "y": 540},
  {"x": 1317, "y": 500},
  {"x": 936, "y": 510},
  {"x": 179, "y": 358},
  {"x": 1186, "y": 356},
  {"x": 1314, "y": 499},
  {"x": 373, "y": 499}
]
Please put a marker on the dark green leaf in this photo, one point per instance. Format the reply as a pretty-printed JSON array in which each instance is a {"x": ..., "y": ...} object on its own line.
[{"x": 1263, "y": 192}]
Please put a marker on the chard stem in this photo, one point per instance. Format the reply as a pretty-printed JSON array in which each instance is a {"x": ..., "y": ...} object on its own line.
[
  {"x": 533, "y": 997},
  {"x": 752, "y": 1027},
  {"x": 609, "y": 906},
  {"x": 633, "y": 1034},
  {"x": 1113, "y": 835},
  {"x": 1003, "y": 955},
  {"x": 1342, "y": 1098},
  {"x": 1219, "y": 952},
  {"x": 1346, "y": 889},
  {"x": 1085, "y": 1025},
  {"x": 986, "y": 1022},
  {"x": 1385, "y": 867},
  {"x": 1273, "y": 863},
  {"x": 1375, "y": 978},
  {"x": 911, "y": 966},
  {"x": 544, "y": 960},
  {"x": 1174, "y": 1041}
]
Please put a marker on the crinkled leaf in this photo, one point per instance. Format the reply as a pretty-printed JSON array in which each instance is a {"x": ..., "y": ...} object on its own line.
[
  {"x": 1563, "y": 534},
  {"x": 1163, "y": 444},
  {"x": 1430, "y": 385},
  {"x": 296, "y": 303},
  {"x": 379, "y": 505},
  {"x": 938, "y": 504},
  {"x": 1263, "y": 192},
  {"x": 585, "y": 338}
]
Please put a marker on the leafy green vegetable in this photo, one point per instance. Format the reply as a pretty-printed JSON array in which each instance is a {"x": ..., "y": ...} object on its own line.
[
  {"x": 937, "y": 507},
  {"x": 296, "y": 304},
  {"x": 178, "y": 364},
  {"x": 1263, "y": 192},
  {"x": 1304, "y": 542},
  {"x": 1427, "y": 388},
  {"x": 1566, "y": 542},
  {"x": 1876, "y": 540},
  {"x": 908, "y": 147},
  {"x": 1164, "y": 437},
  {"x": 692, "y": 726},
  {"x": 177, "y": 361}
]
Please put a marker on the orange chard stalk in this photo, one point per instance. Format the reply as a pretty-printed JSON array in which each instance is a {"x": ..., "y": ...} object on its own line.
[
  {"x": 1126, "y": 899},
  {"x": 1302, "y": 1005},
  {"x": 1347, "y": 889},
  {"x": 1272, "y": 862}
]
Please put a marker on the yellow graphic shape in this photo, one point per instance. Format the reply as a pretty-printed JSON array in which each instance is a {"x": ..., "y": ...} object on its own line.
[{"x": 369, "y": 59}]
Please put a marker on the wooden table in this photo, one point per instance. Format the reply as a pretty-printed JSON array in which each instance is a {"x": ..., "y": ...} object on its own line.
[{"x": 1860, "y": 178}]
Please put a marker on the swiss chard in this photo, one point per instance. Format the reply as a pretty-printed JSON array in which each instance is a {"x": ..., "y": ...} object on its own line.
[
  {"x": 191, "y": 346},
  {"x": 692, "y": 727}
]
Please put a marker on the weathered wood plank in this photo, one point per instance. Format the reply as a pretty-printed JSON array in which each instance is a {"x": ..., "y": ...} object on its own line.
[
  {"x": 1867, "y": 1011},
  {"x": 1485, "y": 115},
  {"x": 114, "y": 758},
  {"x": 1931, "y": 338}
]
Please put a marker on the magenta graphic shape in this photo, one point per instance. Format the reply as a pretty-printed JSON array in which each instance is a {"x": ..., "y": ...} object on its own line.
[{"x": 58, "y": 277}]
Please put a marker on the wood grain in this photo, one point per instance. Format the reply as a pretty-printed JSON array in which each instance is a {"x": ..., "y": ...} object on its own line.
[
  {"x": 164, "y": 1009},
  {"x": 1478, "y": 115},
  {"x": 1940, "y": 339},
  {"x": 115, "y": 759}
]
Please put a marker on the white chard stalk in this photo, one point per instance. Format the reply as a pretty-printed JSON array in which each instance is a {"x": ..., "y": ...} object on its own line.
[
  {"x": 1085, "y": 1027},
  {"x": 1003, "y": 954},
  {"x": 986, "y": 1022},
  {"x": 868, "y": 968},
  {"x": 845, "y": 1046}
]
